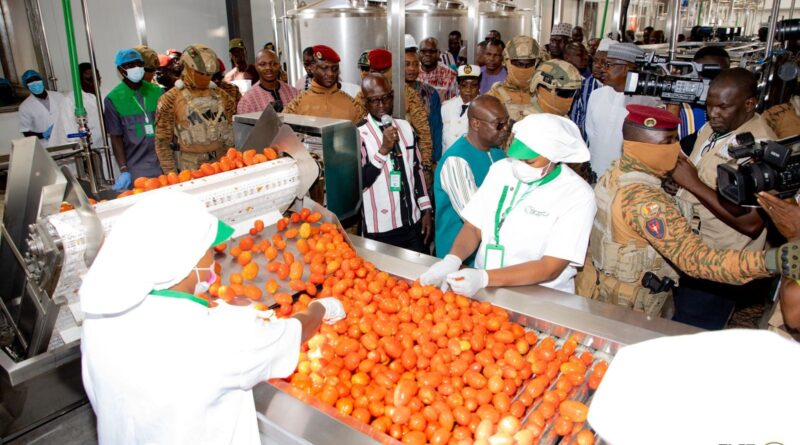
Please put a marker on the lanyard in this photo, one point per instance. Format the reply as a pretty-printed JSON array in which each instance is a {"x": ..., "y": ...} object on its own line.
[
  {"x": 144, "y": 100},
  {"x": 175, "y": 294},
  {"x": 500, "y": 215}
]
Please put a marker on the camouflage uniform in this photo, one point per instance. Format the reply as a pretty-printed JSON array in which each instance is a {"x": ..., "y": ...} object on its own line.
[
  {"x": 417, "y": 116},
  {"x": 326, "y": 102},
  {"x": 784, "y": 119},
  {"x": 515, "y": 92},
  {"x": 149, "y": 56},
  {"x": 199, "y": 118},
  {"x": 639, "y": 228},
  {"x": 233, "y": 92},
  {"x": 558, "y": 74}
]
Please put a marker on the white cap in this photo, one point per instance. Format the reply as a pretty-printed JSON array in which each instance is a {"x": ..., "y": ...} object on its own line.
[
  {"x": 605, "y": 43},
  {"x": 410, "y": 42},
  {"x": 554, "y": 137},
  {"x": 733, "y": 386},
  {"x": 153, "y": 245},
  {"x": 469, "y": 71}
]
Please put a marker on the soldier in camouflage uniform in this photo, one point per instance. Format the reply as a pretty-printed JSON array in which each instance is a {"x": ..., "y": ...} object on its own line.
[
  {"x": 379, "y": 60},
  {"x": 639, "y": 229},
  {"x": 150, "y": 57},
  {"x": 521, "y": 56},
  {"x": 196, "y": 113},
  {"x": 553, "y": 87}
]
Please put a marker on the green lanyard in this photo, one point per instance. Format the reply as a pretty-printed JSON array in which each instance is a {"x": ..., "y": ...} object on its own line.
[
  {"x": 500, "y": 215},
  {"x": 176, "y": 294}
]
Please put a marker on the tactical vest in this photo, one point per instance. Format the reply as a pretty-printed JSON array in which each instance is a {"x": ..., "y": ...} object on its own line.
[
  {"x": 204, "y": 123},
  {"x": 515, "y": 111},
  {"x": 622, "y": 266}
]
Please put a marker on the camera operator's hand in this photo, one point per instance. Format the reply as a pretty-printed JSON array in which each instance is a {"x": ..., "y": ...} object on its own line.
[
  {"x": 785, "y": 215},
  {"x": 685, "y": 173},
  {"x": 389, "y": 139}
]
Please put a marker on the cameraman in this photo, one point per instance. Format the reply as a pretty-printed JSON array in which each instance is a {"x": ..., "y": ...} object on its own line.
[
  {"x": 732, "y": 99},
  {"x": 786, "y": 216},
  {"x": 693, "y": 116}
]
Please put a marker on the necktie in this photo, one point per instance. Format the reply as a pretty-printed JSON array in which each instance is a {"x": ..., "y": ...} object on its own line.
[{"x": 463, "y": 109}]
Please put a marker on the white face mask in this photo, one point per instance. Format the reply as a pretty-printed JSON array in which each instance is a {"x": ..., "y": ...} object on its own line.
[
  {"x": 526, "y": 173},
  {"x": 203, "y": 286},
  {"x": 135, "y": 74}
]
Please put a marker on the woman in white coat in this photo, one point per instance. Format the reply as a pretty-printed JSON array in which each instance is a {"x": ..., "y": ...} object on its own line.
[
  {"x": 530, "y": 220},
  {"x": 159, "y": 366}
]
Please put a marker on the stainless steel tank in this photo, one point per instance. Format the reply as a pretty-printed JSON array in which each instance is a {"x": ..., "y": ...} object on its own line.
[{"x": 353, "y": 26}]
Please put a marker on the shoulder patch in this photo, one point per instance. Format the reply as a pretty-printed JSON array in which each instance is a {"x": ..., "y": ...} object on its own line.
[
  {"x": 655, "y": 227},
  {"x": 650, "y": 210}
]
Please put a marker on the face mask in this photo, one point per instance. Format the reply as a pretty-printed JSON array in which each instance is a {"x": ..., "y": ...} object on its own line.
[
  {"x": 36, "y": 87},
  {"x": 527, "y": 173},
  {"x": 203, "y": 286},
  {"x": 661, "y": 158},
  {"x": 194, "y": 79},
  {"x": 551, "y": 103},
  {"x": 135, "y": 74},
  {"x": 519, "y": 77}
]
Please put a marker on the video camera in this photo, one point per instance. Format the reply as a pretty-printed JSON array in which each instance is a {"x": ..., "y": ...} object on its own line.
[
  {"x": 673, "y": 82},
  {"x": 773, "y": 166}
]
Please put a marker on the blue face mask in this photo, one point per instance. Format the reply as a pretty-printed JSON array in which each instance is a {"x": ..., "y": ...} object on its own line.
[
  {"x": 36, "y": 87},
  {"x": 135, "y": 74}
]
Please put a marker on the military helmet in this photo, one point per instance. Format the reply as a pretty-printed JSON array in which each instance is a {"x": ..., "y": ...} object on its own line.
[
  {"x": 556, "y": 74},
  {"x": 522, "y": 47},
  {"x": 149, "y": 56},
  {"x": 201, "y": 59}
]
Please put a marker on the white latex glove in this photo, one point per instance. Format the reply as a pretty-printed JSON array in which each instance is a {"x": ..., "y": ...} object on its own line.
[
  {"x": 436, "y": 274},
  {"x": 334, "y": 311},
  {"x": 468, "y": 281}
]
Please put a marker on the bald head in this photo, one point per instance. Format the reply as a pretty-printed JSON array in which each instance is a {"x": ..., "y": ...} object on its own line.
[
  {"x": 268, "y": 67},
  {"x": 488, "y": 122},
  {"x": 732, "y": 99},
  {"x": 377, "y": 95}
]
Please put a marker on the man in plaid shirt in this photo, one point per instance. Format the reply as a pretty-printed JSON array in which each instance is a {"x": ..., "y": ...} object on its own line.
[
  {"x": 269, "y": 90},
  {"x": 433, "y": 73}
]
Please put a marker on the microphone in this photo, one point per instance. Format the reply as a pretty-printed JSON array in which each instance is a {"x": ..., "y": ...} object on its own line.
[{"x": 386, "y": 122}]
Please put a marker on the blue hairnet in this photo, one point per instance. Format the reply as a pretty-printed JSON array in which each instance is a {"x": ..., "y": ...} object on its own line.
[
  {"x": 127, "y": 55},
  {"x": 28, "y": 75}
]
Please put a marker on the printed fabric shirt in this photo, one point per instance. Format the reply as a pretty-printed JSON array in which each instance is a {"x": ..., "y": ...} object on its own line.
[
  {"x": 433, "y": 104},
  {"x": 443, "y": 79},
  {"x": 385, "y": 209},
  {"x": 578, "y": 111},
  {"x": 258, "y": 97}
]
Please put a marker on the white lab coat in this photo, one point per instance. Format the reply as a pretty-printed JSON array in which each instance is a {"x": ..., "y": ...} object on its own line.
[
  {"x": 34, "y": 116},
  {"x": 553, "y": 220},
  {"x": 66, "y": 124},
  {"x": 454, "y": 125},
  {"x": 605, "y": 115},
  {"x": 171, "y": 371}
]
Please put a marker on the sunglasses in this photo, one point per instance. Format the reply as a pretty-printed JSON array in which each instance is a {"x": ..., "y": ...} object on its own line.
[
  {"x": 375, "y": 101},
  {"x": 498, "y": 125},
  {"x": 565, "y": 93}
]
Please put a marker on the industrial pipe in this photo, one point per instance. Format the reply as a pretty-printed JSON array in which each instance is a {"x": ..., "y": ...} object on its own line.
[
  {"x": 93, "y": 63},
  {"x": 676, "y": 26},
  {"x": 603, "y": 23},
  {"x": 396, "y": 37},
  {"x": 773, "y": 20},
  {"x": 473, "y": 30},
  {"x": 72, "y": 53}
]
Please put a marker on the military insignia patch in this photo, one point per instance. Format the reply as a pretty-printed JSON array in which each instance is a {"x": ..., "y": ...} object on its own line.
[
  {"x": 650, "y": 122},
  {"x": 655, "y": 227},
  {"x": 650, "y": 210},
  {"x": 318, "y": 55},
  {"x": 467, "y": 69}
]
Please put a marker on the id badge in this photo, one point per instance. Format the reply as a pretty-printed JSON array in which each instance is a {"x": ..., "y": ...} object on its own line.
[
  {"x": 494, "y": 257},
  {"x": 394, "y": 181},
  {"x": 149, "y": 131}
]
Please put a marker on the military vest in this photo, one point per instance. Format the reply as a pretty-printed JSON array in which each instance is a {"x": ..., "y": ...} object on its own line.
[
  {"x": 516, "y": 111},
  {"x": 202, "y": 122}
]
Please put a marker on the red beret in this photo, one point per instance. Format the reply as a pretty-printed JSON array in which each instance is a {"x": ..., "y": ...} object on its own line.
[
  {"x": 322, "y": 52},
  {"x": 163, "y": 60},
  {"x": 380, "y": 59},
  {"x": 651, "y": 117},
  {"x": 221, "y": 65}
]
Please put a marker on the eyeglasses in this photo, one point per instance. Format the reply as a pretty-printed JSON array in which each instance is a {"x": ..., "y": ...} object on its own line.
[
  {"x": 608, "y": 66},
  {"x": 497, "y": 125},
  {"x": 375, "y": 101}
]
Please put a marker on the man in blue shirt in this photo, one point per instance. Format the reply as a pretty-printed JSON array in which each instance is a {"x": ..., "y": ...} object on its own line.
[{"x": 464, "y": 166}]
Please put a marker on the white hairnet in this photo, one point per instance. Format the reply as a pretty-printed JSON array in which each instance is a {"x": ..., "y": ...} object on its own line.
[
  {"x": 153, "y": 245},
  {"x": 554, "y": 137},
  {"x": 605, "y": 43},
  {"x": 734, "y": 386}
]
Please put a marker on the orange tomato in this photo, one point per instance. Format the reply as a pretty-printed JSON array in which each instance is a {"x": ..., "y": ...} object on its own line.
[
  {"x": 573, "y": 410},
  {"x": 250, "y": 271},
  {"x": 584, "y": 437}
]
